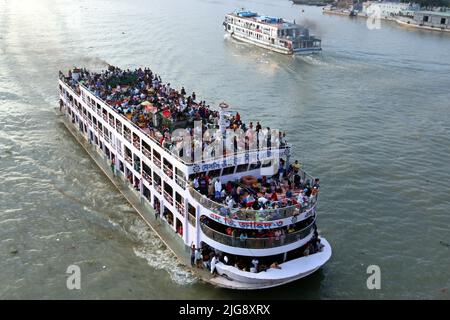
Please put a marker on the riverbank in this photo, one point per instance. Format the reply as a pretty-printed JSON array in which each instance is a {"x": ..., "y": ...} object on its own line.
[{"x": 409, "y": 23}]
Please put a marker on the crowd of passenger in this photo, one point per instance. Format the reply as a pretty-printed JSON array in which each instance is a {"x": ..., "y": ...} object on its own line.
[
  {"x": 285, "y": 189},
  {"x": 207, "y": 257},
  {"x": 140, "y": 94}
]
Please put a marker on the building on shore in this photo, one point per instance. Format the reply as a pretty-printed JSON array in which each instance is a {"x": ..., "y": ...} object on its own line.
[
  {"x": 433, "y": 19},
  {"x": 389, "y": 9}
]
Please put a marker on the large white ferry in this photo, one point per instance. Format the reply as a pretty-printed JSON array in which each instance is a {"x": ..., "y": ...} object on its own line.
[
  {"x": 271, "y": 33},
  {"x": 226, "y": 187}
]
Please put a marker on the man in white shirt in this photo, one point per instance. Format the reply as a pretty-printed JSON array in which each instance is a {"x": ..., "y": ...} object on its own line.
[
  {"x": 230, "y": 202},
  {"x": 217, "y": 188},
  {"x": 262, "y": 200},
  {"x": 213, "y": 265},
  {"x": 255, "y": 263},
  {"x": 196, "y": 184}
]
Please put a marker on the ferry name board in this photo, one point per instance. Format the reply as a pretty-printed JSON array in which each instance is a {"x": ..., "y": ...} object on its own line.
[{"x": 256, "y": 224}]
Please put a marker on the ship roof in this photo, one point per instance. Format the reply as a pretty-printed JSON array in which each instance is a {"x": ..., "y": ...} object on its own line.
[{"x": 267, "y": 20}]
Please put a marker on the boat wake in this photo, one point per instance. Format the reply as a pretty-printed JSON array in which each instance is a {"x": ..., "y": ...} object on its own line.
[
  {"x": 158, "y": 256},
  {"x": 315, "y": 60}
]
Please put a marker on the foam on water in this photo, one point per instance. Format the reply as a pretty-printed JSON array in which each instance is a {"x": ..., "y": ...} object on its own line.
[{"x": 158, "y": 256}]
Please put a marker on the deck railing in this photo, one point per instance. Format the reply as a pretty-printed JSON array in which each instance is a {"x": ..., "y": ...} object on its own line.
[
  {"x": 168, "y": 172},
  {"x": 137, "y": 144},
  {"x": 168, "y": 197},
  {"x": 257, "y": 243},
  {"x": 254, "y": 215},
  {"x": 127, "y": 136},
  {"x": 157, "y": 162},
  {"x": 119, "y": 128},
  {"x": 147, "y": 153},
  {"x": 180, "y": 181},
  {"x": 192, "y": 220},
  {"x": 147, "y": 177},
  {"x": 180, "y": 207},
  {"x": 128, "y": 159}
]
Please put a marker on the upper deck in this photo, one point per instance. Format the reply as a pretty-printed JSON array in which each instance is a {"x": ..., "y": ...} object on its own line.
[{"x": 181, "y": 124}]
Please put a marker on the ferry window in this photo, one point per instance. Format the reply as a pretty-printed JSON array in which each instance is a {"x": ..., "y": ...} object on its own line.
[
  {"x": 229, "y": 170},
  {"x": 179, "y": 199},
  {"x": 137, "y": 163},
  {"x": 425, "y": 18},
  {"x": 191, "y": 215},
  {"x": 147, "y": 193},
  {"x": 267, "y": 164},
  {"x": 156, "y": 155},
  {"x": 443, "y": 20},
  {"x": 156, "y": 179},
  {"x": 241, "y": 168},
  {"x": 191, "y": 210},
  {"x": 214, "y": 173},
  {"x": 256, "y": 165},
  {"x": 146, "y": 169},
  {"x": 120, "y": 165},
  {"x": 145, "y": 146}
]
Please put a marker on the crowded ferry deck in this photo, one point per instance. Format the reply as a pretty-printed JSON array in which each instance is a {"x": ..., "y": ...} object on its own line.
[
  {"x": 272, "y": 33},
  {"x": 228, "y": 189}
]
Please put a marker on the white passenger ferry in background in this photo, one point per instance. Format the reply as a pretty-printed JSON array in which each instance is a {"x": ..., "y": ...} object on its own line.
[
  {"x": 271, "y": 33},
  {"x": 268, "y": 237}
]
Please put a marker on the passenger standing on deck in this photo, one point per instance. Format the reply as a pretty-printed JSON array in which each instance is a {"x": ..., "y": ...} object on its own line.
[
  {"x": 218, "y": 189},
  {"x": 196, "y": 184},
  {"x": 213, "y": 265},
  {"x": 192, "y": 254},
  {"x": 198, "y": 258}
]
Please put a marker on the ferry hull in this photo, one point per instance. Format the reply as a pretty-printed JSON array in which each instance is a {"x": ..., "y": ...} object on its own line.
[
  {"x": 285, "y": 51},
  {"x": 289, "y": 272}
]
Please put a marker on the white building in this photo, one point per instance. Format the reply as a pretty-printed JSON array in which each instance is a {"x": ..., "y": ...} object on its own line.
[{"x": 389, "y": 9}]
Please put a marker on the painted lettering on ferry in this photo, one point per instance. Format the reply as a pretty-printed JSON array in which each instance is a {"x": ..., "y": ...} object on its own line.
[
  {"x": 229, "y": 221},
  {"x": 248, "y": 224},
  {"x": 215, "y": 217}
]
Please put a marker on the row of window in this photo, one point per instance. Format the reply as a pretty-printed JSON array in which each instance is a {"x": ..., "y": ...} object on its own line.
[{"x": 127, "y": 133}]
